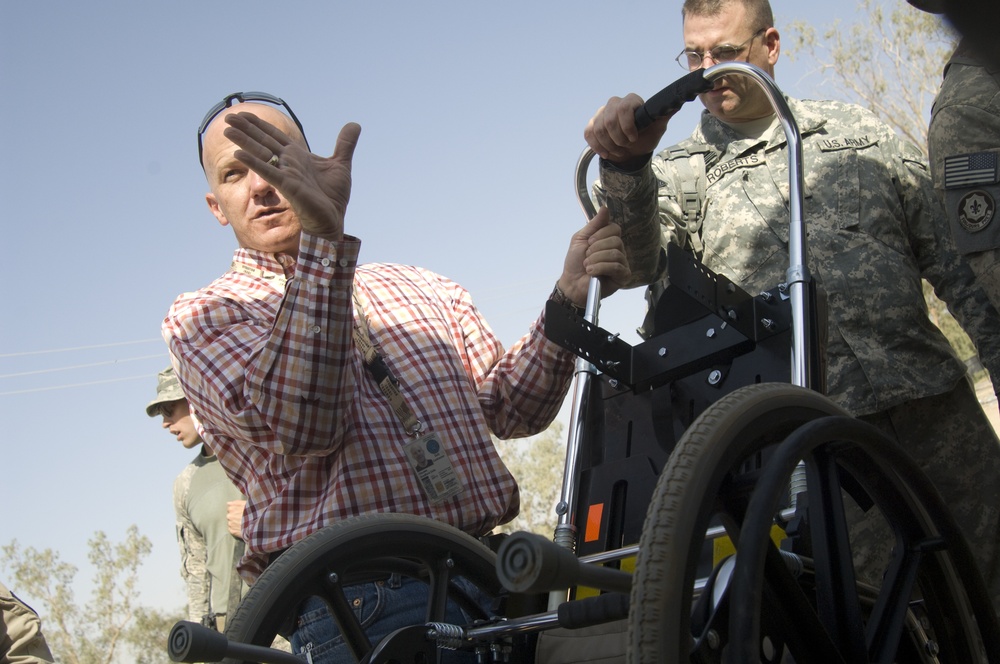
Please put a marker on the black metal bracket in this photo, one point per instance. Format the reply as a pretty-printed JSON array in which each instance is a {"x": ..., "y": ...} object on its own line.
[{"x": 706, "y": 319}]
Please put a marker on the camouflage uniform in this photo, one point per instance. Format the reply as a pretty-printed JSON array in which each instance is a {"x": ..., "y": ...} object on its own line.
[
  {"x": 21, "y": 640},
  {"x": 208, "y": 551},
  {"x": 873, "y": 232},
  {"x": 965, "y": 133}
]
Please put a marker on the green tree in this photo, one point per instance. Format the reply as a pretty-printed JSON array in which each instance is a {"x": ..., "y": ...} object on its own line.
[
  {"x": 537, "y": 463},
  {"x": 112, "y": 627},
  {"x": 889, "y": 60}
]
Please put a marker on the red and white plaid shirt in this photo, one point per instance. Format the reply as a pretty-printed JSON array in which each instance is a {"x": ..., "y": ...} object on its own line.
[{"x": 301, "y": 427}]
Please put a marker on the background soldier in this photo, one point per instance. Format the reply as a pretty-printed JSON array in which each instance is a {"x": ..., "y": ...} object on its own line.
[
  {"x": 209, "y": 553},
  {"x": 21, "y": 640},
  {"x": 963, "y": 141}
]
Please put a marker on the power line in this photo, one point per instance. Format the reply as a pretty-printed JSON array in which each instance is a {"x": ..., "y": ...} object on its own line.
[
  {"x": 67, "y": 350},
  {"x": 64, "y": 387},
  {"x": 82, "y": 366}
]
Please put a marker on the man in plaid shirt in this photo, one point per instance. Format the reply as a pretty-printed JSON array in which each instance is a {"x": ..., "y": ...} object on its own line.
[{"x": 285, "y": 357}]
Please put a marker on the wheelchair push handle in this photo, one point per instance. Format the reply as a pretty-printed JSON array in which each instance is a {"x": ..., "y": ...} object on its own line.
[
  {"x": 669, "y": 100},
  {"x": 663, "y": 104}
]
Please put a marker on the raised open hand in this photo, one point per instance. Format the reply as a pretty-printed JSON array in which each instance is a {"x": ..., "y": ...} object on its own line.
[{"x": 318, "y": 188}]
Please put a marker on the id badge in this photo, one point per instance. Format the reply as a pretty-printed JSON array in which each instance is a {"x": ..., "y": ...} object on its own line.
[{"x": 430, "y": 462}]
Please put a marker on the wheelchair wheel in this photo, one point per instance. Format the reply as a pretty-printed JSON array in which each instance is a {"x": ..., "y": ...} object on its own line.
[
  {"x": 362, "y": 549},
  {"x": 768, "y": 613},
  {"x": 689, "y": 494}
]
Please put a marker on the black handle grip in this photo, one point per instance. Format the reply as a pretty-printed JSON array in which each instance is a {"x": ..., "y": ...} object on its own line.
[
  {"x": 669, "y": 100},
  {"x": 191, "y": 642},
  {"x": 530, "y": 563}
]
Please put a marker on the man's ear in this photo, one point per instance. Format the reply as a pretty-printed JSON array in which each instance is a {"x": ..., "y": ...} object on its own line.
[
  {"x": 773, "y": 41},
  {"x": 213, "y": 206}
]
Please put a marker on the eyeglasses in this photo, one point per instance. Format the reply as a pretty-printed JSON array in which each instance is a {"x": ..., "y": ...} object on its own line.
[
  {"x": 692, "y": 60},
  {"x": 164, "y": 408},
  {"x": 243, "y": 97}
]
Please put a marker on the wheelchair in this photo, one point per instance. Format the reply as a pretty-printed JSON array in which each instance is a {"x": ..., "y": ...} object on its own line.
[{"x": 705, "y": 502}]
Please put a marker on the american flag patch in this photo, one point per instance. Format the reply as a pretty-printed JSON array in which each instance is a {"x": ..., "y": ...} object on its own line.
[{"x": 966, "y": 170}]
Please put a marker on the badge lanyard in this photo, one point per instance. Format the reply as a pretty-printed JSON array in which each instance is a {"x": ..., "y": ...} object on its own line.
[
  {"x": 427, "y": 453},
  {"x": 380, "y": 371},
  {"x": 374, "y": 362}
]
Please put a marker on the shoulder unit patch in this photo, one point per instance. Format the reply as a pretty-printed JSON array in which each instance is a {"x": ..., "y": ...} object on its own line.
[{"x": 975, "y": 210}]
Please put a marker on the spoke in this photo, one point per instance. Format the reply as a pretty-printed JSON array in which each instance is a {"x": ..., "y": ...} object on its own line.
[
  {"x": 343, "y": 614},
  {"x": 789, "y": 614},
  {"x": 886, "y": 623},
  {"x": 836, "y": 588},
  {"x": 437, "y": 599}
]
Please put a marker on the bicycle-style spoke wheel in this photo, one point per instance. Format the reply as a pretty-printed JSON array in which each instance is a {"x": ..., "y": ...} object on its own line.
[
  {"x": 819, "y": 613},
  {"x": 931, "y": 569},
  {"x": 362, "y": 549}
]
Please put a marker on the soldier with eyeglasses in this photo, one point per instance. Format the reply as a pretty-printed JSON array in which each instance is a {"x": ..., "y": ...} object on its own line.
[{"x": 875, "y": 230}]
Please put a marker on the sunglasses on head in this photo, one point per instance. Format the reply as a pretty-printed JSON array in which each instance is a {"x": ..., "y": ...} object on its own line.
[{"x": 242, "y": 97}]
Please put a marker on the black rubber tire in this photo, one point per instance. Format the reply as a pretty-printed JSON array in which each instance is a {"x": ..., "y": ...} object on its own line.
[
  {"x": 728, "y": 432},
  {"x": 362, "y": 549},
  {"x": 693, "y": 489}
]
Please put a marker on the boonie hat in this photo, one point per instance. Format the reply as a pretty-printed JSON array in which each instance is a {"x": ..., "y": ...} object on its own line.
[{"x": 168, "y": 388}]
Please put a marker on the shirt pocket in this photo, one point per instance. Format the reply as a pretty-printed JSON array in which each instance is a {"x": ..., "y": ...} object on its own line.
[
  {"x": 846, "y": 185},
  {"x": 739, "y": 234},
  {"x": 859, "y": 196}
]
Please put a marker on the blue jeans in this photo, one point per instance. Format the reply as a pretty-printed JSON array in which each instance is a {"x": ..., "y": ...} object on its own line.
[{"x": 382, "y": 608}]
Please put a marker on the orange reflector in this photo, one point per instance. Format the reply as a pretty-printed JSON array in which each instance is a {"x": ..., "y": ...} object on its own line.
[{"x": 593, "y": 531}]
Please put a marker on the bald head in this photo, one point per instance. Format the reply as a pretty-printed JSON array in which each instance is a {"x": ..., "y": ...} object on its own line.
[
  {"x": 217, "y": 147},
  {"x": 259, "y": 215}
]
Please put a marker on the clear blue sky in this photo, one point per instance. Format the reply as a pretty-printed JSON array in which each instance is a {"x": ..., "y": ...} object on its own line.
[{"x": 472, "y": 117}]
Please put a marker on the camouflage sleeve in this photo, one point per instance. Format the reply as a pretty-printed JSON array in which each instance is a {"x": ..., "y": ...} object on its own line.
[
  {"x": 193, "y": 550},
  {"x": 21, "y": 640},
  {"x": 965, "y": 130},
  {"x": 631, "y": 201},
  {"x": 939, "y": 260}
]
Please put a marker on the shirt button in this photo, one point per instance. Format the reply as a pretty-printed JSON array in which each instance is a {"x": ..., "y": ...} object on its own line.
[
  {"x": 344, "y": 262},
  {"x": 325, "y": 262},
  {"x": 315, "y": 329}
]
